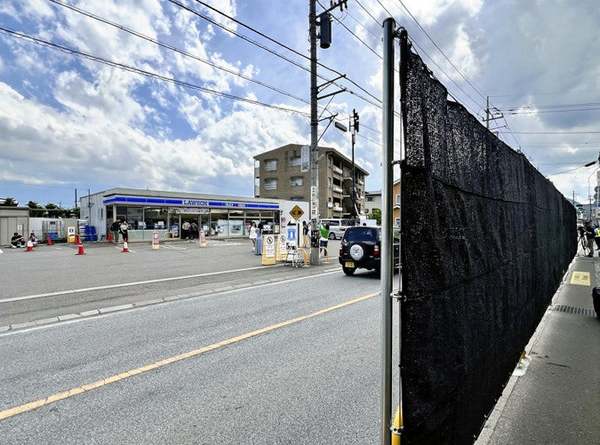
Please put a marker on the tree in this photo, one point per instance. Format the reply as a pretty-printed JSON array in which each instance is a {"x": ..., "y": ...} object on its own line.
[
  {"x": 9, "y": 202},
  {"x": 376, "y": 215},
  {"x": 33, "y": 205},
  {"x": 51, "y": 206}
]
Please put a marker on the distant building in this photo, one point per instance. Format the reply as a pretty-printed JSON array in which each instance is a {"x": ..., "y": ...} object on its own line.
[
  {"x": 372, "y": 201},
  {"x": 279, "y": 175}
]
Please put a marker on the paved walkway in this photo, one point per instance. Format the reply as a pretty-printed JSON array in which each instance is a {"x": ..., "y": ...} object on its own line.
[{"x": 553, "y": 396}]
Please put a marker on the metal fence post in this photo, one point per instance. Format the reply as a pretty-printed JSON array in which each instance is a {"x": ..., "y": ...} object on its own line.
[{"x": 387, "y": 234}]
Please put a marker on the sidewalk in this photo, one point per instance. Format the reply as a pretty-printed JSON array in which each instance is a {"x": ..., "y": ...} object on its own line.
[{"x": 553, "y": 396}]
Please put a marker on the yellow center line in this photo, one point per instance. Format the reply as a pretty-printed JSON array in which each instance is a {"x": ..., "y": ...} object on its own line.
[{"x": 30, "y": 406}]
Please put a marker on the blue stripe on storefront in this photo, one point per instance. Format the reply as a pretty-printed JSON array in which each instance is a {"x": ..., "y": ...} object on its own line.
[{"x": 180, "y": 202}]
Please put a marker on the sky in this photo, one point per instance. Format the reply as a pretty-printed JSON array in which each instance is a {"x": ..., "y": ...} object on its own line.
[{"x": 67, "y": 122}]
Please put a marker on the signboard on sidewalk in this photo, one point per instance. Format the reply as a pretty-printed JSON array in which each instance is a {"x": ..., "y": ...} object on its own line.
[
  {"x": 268, "y": 251},
  {"x": 281, "y": 247},
  {"x": 292, "y": 235},
  {"x": 314, "y": 202}
]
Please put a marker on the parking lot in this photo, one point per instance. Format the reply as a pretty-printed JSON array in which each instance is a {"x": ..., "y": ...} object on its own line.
[{"x": 53, "y": 281}]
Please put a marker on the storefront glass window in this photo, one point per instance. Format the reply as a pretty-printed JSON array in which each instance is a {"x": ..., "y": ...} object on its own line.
[
  {"x": 236, "y": 223},
  {"x": 155, "y": 218},
  {"x": 219, "y": 223},
  {"x": 135, "y": 218}
]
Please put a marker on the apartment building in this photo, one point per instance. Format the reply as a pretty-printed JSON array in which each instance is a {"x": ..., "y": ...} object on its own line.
[{"x": 280, "y": 174}]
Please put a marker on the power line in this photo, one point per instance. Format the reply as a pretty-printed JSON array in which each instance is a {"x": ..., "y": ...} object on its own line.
[
  {"x": 175, "y": 2},
  {"x": 432, "y": 60},
  {"x": 440, "y": 49},
  {"x": 552, "y": 132},
  {"x": 570, "y": 170},
  {"x": 368, "y": 13},
  {"x": 177, "y": 50},
  {"x": 146, "y": 73},
  {"x": 546, "y": 106},
  {"x": 526, "y": 112}
]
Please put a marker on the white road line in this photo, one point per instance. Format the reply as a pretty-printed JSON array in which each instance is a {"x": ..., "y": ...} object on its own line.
[
  {"x": 139, "y": 308},
  {"x": 133, "y": 283}
]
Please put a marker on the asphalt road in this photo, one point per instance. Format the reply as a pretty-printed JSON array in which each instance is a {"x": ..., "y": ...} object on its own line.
[{"x": 264, "y": 376}]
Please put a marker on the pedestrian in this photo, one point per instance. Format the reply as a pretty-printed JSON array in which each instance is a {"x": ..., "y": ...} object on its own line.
[
  {"x": 33, "y": 239},
  {"x": 17, "y": 241},
  {"x": 253, "y": 235},
  {"x": 589, "y": 236},
  {"x": 124, "y": 231},
  {"x": 597, "y": 237},
  {"x": 185, "y": 230},
  {"x": 194, "y": 230},
  {"x": 324, "y": 232},
  {"x": 114, "y": 228},
  {"x": 305, "y": 236}
]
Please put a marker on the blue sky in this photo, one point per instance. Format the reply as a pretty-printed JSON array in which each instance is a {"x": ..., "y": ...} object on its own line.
[{"x": 68, "y": 123}]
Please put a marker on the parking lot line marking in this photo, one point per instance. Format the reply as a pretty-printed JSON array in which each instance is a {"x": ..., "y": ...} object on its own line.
[
  {"x": 580, "y": 278},
  {"x": 30, "y": 406},
  {"x": 133, "y": 283}
]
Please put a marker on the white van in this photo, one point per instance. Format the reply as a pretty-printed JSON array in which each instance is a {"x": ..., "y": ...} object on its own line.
[{"x": 337, "y": 226}]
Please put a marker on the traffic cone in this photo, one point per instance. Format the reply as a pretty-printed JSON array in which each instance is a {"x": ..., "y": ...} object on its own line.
[
  {"x": 125, "y": 248},
  {"x": 80, "y": 249},
  {"x": 29, "y": 246},
  {"x": 109, "y": 237},
  {"x": 50, "y": 242}
]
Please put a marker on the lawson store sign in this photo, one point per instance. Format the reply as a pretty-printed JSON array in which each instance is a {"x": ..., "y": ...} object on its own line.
[{"x": 177, "y": 202}]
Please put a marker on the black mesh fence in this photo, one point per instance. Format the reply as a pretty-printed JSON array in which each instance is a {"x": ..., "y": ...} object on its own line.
[{"x": 485, "y": 241}]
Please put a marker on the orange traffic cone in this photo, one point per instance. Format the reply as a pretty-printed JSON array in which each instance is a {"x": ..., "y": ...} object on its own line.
[
  {"x": 125, "y": 248},
  {"x": 109, "y": 237},
  {"x": 80, "y": 249},
  {"x": 29, "y": 246},
  {"x": 50, "y": 242}
]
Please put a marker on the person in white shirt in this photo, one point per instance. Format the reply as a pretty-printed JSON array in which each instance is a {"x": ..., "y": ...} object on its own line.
[{"x": 253, "y": 235}]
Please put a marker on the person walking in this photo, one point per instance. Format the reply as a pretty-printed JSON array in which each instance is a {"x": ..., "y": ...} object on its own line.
[
  {"x": 589, "y": 236},
  {"x": 124, "y": 231},
  {"x": 305, "y": 236},
  {"x": 597, "y": 237},
  {"x": 185, "y": 230},
  {"x": 114, "y": 228},
  {"x": 194, "y": 230},
  {"x": 324, "y": 232},
  {"x": 253, "y": 236}
]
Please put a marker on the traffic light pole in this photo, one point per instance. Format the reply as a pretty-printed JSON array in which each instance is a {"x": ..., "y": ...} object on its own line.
[{"x": 314, "y": 129}]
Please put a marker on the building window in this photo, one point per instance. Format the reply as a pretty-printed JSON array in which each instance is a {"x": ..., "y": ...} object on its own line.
[
  {"x": 398, "y": 199},
  {"x": 297, "y": 198},
  {"x": 270, "y": 184},
  {"x": 369, "y": 199},
  {"x": 271, "y": 165},
  {"x": 295, "y": 160},
  {"x": 296, "y": 181},
  {"x": 397, "y": 222}
]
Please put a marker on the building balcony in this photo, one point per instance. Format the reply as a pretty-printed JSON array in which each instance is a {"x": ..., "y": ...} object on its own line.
[
  {"x": 337, "y": 170},
  {"x": 337, "y": 189},
  {"x": 337, "y": 208}
]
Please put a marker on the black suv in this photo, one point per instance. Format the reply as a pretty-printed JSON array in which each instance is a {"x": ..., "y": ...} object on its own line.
[{"x": 361, "y": 248}]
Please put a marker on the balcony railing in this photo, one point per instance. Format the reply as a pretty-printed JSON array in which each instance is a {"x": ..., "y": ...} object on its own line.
[
  {"x": 337, "y": 170},
  {"x": 337, "y": 189},
  {"x": 337, "y": 208}
]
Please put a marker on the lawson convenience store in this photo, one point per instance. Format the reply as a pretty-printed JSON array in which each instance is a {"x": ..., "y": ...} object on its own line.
[{"x": 147, "y": 211}]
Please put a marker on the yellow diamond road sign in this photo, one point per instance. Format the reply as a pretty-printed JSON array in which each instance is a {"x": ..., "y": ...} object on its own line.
[{"x": 296, "y": 212}]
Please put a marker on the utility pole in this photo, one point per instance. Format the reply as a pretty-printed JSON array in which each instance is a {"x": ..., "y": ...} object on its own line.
[
  {"x": 76, "y": 198},
  {"x": 324, "y": 23},
  {"x": 354, "y": 126},
  {"x": 314, "y": 129},
  {"x": 487, "y": 112}
]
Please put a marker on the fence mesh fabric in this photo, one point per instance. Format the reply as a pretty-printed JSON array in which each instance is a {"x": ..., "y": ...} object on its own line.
[{"x": 485, "y": 241}]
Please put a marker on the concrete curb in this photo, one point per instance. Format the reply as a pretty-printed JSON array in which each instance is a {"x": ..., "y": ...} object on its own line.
[{"x": 126, "y": 307}]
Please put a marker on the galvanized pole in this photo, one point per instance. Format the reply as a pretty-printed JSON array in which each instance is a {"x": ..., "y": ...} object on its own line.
[
  {"x": 387, "y": 234},
  {"x": 314, "y": 129},
  {"x": 355, "y": 208}
]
